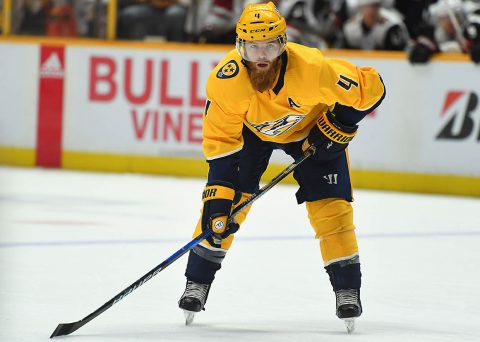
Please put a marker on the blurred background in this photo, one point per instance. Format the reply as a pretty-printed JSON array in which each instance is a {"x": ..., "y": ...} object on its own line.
[
  {"x": 118, "y": 85},
  {"x": 94, "y": 94},
  {"x": 439, "y": 26}
]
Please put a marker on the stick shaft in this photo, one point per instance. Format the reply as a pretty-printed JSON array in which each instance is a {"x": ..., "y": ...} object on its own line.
[
  {"x": 68, "y": 328},
  {"x": 272, "y": 183}
]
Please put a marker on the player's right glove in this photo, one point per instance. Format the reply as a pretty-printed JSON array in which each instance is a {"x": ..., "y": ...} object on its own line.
[
  {"x": 218, "y": 197},
  {"x": 329, "y": 136}
]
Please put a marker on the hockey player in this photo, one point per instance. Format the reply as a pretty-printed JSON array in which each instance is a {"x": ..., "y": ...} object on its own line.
[{"x": 269, "y": 94}]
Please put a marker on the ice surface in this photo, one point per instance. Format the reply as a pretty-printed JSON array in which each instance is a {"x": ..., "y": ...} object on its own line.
[{"x": 70, "y": 241}]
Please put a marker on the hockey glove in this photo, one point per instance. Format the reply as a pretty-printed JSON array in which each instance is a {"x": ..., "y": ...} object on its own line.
[
  {"x": 329, "y": 137},
  {"x": 218, "y": 197},
  {"x": 420, "y": 54},
  {"x": 472, "y": 34},
  {"x": 475, "y": 53}
]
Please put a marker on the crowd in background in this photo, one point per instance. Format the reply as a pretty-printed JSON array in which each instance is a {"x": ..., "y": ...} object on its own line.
[{"x": 420, "y": 27}]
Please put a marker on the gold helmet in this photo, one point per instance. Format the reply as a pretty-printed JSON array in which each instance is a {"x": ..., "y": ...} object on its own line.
[{"x": 260, "y": 22}]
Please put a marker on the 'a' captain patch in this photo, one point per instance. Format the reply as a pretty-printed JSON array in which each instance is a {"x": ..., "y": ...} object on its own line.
[{"x": 229, "y": 70}]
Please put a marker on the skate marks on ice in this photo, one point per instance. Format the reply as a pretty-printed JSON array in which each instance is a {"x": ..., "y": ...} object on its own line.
[
  {"x": 102, "y": 245},
  {"x": 331, "y": 330}
]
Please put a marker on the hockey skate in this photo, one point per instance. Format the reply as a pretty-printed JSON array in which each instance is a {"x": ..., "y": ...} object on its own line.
[
  {"x": 193, "y": 300},
  {"x": 349, "y": 307}
]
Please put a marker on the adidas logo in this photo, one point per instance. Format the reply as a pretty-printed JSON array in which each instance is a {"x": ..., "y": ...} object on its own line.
[{"x": 52, "y": 67}]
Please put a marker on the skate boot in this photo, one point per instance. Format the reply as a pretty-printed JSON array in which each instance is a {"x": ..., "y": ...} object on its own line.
[
  {"x": 349, "y": 307},
  {"x": 193, "y": 299}
]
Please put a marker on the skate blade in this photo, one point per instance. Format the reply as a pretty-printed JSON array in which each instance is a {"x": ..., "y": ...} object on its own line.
[
  {"x": 349, "y": 324},
  {"x": 189, "y": 315}
]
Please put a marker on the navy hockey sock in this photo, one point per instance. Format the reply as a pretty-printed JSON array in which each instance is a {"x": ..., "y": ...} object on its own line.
[
  {"x": 345, "y": 274},
  {"x": 203, "y": 264}
]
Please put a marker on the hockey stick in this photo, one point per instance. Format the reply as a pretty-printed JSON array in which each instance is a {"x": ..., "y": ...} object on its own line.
[{"x": 68, "y": 328}]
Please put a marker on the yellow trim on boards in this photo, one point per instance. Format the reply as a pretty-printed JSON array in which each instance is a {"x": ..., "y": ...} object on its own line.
[
  {"x": 88, "y": 42},
  {"x": 17, "y": 156},
  {"x": 90, "y": 161},
  {"x": 157, "y": 45},
  {"x": 184, "y": 167},
  {"x": 452, "y": 57},
  {"x": 190, "y": 167},
  {"x": 417, "y": 182}
]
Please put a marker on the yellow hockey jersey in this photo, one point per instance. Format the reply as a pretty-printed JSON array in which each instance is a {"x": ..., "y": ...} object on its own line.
[{"x": 307, "y": 86}]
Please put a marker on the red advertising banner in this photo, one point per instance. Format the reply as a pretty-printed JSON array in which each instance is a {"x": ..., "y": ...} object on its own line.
[{"x": 50, "y": 106}]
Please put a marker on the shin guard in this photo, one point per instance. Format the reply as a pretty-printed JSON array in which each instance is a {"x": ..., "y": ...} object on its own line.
[{"x": 332, "y": 220}]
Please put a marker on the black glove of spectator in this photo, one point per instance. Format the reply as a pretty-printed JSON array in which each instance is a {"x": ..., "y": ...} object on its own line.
[
  {"x": 475, "y": 53},
  {"x": 472, "y": 34},
  {"x": 420, "y": 54}
]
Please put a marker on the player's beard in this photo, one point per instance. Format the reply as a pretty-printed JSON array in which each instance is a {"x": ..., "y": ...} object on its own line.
[{"x": 263, "y": 79}]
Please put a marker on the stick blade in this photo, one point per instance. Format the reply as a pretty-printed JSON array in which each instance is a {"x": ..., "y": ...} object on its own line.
[{"x": 66, "y": 329}]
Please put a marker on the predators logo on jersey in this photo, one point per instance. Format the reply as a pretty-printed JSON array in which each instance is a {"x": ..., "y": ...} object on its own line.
[
  {"x": 229, "y": 70},
  {"x": 277, "y": 127}
]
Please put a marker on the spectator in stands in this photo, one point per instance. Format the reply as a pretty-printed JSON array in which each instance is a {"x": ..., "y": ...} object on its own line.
[
  {"x": 452, "y": 26},
  {"x": 309, "y": 22},
  {"x": 138, "y": 19},
  {"x": 345, "y": 9},
  {"x": 375, "y": 27},
  {"x": 32, "y": 16},
  {"x": 214, "y": 21},
  {"x": 91, "y": 17},
  {"x": 412, "y": 12},
  {"x": 61, "y": 19}
]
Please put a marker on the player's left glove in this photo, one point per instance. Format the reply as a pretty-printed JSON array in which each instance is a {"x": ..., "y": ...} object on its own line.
[
  {"x": 329, "y": 136},
  {"x": 218, "y": 198}
]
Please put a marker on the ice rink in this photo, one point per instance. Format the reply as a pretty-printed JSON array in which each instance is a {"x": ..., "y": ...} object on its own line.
[{"x": 70, "y": 241}]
